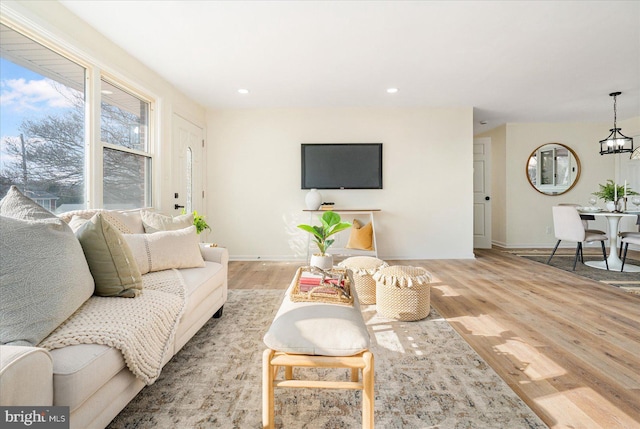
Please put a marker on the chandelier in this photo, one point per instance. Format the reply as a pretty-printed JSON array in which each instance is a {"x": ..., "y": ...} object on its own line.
[{"x": 616, "y": 142}]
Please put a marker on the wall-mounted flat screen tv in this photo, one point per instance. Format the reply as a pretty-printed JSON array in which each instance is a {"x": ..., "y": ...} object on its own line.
[{"x": 342, "y": 165}]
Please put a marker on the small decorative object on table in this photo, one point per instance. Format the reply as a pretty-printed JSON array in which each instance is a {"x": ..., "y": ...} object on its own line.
[
  {"x": 611, "y": 193},
  {"x": 327, "y": 286},
  {"x": 313, "y": 199},
  {"x": 330, "y": 224}
]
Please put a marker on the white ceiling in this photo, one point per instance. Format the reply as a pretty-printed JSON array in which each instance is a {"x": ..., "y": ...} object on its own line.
[{"x": 513, "y": 61}]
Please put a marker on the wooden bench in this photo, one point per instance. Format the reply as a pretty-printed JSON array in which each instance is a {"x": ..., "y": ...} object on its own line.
[{"x": 317, "y": 335}]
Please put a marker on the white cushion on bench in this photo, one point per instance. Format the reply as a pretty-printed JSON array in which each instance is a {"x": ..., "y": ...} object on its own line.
[{"x": 311, "y": 328}]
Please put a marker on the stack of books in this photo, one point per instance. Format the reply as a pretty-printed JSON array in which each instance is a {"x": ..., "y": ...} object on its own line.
[
  {"x": 309, "y": 281},
  {"x": 327, "y": 206}
]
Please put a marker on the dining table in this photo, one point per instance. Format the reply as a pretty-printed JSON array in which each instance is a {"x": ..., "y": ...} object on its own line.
[{"x": 613, "y": 220}]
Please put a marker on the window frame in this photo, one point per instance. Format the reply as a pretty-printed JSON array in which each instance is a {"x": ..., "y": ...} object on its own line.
[{"x": 95, "y": 72}]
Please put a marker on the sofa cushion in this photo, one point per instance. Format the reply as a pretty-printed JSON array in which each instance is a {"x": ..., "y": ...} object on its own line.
[
  {"x": 80, "y": 371},
  {"x": 154, "y": 222},
  {"x": 163, "y": 250},
  {"x": 44, "y": 276},
  {"x": 112, "y": 264}
]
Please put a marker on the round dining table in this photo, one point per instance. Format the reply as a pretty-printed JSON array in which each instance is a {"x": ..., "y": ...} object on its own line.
[{"x": 615, "y": 263}]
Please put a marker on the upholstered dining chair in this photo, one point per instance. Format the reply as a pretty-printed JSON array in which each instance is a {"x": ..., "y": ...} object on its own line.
[
  {"x": 568, "y": 226},
  {"x": 629, "y": 239},
  {"x": 624, "y": 234},
  {"x": 585, "y": 218}
]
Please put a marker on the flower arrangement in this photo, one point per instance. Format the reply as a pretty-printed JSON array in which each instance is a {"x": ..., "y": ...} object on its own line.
[{"x": 610, "y": 191}]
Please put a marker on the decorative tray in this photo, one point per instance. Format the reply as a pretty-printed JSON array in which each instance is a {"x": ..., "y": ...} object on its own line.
[{"x": 328, "y": 287}]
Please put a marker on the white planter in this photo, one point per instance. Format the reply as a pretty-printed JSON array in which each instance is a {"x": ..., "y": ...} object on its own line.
[
  {"x": 610, "y": 206},
  {"x": 313, "y": 199},
  {"x": 323, "y": 262}
]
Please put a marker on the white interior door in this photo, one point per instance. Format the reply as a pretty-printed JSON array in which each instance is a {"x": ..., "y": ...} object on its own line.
[
  {"x": 482, "y": 193},
  {"x": 187, "y": 166}
]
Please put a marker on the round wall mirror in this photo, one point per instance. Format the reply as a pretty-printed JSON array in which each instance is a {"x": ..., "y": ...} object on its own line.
[{"x": 553, "y": 169}]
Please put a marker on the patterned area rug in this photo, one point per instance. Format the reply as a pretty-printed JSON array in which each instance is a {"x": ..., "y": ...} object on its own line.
[
  {"x": 629, "y": 282},
  {"x": 426, "y": 376}
]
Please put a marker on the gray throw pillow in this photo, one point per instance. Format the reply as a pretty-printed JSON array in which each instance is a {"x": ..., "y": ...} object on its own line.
[
  {"x": 44, "y": 277},
  {"x": 110, "y": 260}
]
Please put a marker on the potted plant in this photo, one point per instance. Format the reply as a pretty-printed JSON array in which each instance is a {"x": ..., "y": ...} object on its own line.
[
  {"x": 610, "y": 192},
  {"x": 198, "y": 221},
  {"x": 330, "y": 224}
]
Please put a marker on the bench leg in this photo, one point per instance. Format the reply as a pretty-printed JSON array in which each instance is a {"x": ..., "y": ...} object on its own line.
[
  {"x": 267, "y": 390},
  {"x": 355, "y": 375},
  {"x": 368, "y": 395}
]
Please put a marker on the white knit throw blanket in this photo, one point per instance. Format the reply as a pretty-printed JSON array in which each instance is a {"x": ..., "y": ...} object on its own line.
[{"x": 142, "y": 328}]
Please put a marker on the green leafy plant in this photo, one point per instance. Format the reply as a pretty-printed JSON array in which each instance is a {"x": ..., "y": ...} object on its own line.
[
  {"x": 330, "y": 224},
  {"x": 608, "y": 191},
  {"x": 198, "y": 221}
]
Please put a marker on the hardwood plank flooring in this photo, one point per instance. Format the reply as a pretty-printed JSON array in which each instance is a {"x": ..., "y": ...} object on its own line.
[{"x": 567, "y": 345}]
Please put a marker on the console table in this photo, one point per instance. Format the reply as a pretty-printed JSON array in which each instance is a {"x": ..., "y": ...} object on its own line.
[{"x": 339, "y": 246}]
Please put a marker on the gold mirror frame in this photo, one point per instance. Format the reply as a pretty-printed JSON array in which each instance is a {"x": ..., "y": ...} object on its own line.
[{"x": 560, "y": 159}]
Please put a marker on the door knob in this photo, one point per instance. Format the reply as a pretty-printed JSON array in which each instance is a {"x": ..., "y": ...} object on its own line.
[
  {"x": 177, "y": 206},
  {"x": 487, "y": 198}
]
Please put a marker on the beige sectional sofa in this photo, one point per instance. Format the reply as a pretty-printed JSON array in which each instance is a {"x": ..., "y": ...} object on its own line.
[{"x": 61, "y": 366}]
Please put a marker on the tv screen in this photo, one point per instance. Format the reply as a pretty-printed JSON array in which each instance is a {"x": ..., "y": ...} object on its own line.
[{"x": 342, "y": 165}]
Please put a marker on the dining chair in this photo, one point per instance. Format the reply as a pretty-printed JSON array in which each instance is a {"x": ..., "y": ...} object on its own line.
[
  {"x": 585, "y": 218},
  {"x": 568, "y": 226},
  {"x": 624, "y": 234},
  {"x": 629, "y": 239}
]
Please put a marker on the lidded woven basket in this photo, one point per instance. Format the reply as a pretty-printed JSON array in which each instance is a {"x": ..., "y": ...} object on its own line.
[
  {"x": 403, "y": 292},
  {"x": 363, "y": 269}
]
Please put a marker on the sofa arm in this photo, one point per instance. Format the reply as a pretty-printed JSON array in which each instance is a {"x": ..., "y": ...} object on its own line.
[
  {"x": 215, "y": 254},
  {"x": 26, "y": 376}
]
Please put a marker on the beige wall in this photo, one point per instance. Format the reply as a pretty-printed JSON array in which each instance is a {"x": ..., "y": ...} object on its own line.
[
  {"x": 50, "y": 20},
  {"x": 426, "y": 202}
]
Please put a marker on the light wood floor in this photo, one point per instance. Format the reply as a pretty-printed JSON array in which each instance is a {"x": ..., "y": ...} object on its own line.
[{"x": 568, "y": 346}]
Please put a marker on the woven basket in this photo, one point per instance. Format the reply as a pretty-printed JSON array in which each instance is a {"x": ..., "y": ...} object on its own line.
[
  {"x": 403, "y": 292},
  {"x": 363, "y": 268}
]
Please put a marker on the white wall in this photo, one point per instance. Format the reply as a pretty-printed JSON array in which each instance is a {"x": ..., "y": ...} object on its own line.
[
  {"x": 53, "y": 22},
  {"x": 426, "y": 203}
]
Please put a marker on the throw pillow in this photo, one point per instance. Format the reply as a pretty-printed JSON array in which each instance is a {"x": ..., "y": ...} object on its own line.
[
  {"x": 154, "y": 222},
  {"x": 361, "y": 237},
  {"x": 18, "y": 206},
  {"x": 125, "y": 221},
  {"x": 44, "y": 277},
  {"x": 110, "y": 259},
  {"x": 166, "y": 249}
]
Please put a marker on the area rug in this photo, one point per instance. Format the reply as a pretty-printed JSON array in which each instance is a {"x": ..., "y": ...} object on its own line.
[
  {"x": 629, "y": 282},
  {"x": 426, "y": 376}
]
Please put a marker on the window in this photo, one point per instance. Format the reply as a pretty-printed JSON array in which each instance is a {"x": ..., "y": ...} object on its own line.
[
  {"x": 44, "y": 131},
  {"x": 124, "y": 134},
  {"x": 42, "y": 148}
]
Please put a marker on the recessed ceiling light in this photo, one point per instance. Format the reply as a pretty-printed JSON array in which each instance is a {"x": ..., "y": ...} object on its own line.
[
  {"x": 243, "y": 91},
  {"x": 392, "y": 90}
]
